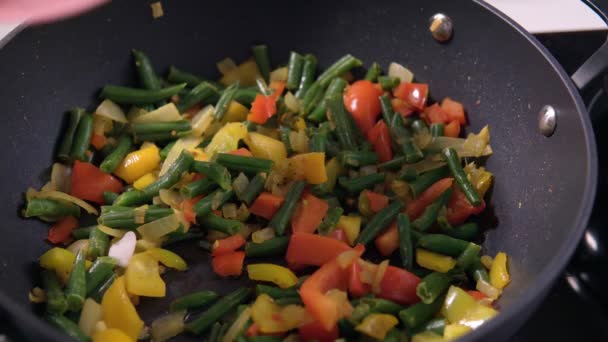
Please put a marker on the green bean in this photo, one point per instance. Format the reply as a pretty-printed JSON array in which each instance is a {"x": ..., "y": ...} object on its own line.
[
  {"x": 373, "y": 72},
  {"x": 68, "y": 327},
  {"x": 212, "y": 202},
  {"x": 319, "y": 114},
  {"x": 98, "y": 292},
  {"x": 98, "y": 243},
  {"x": 82, "y": 138},
  {"x": 283, "y": 215},
  {"x": 432, "y": 286},
  {"x": 224, "y": 102},
  {"x": 430, "y": 213},
  {"x": 146, "y": 73},
  {"x": 341, "y": 66},
  {"x": 172, "y": 176},
  {"x": 178, "y": 76},
  {"x": 165, "y": 151},
  {"x": 245, "y": 96},
  {"x": 367, "y": 306},
  {"x": 437, "y": 129},
  {"x": 468, "y": 256},
  {"x": 65, "y": 147},
  {"x": 214, "y": 222},
  {"x": 435, "y": 325},
  {"x": 284, "y": 133},
  {"x": 75, "y": 291},
  {"x": 215, "y": 172},
  {"x": 273, "y": 247},
  {"x": 55, "y": 300},
  {"x": 214, "y": 335},
  {"x": 357, "y": 158},
  {"x": 204, "y": 91},
  {"x": 356, "y": 185},
  {"x": 199, "y": 187},
  {"x": 109, "y": 197},
  {"x": 308, "y": 74},
  {"x": 467, "y": 231},
  {"x": 388, "y": 82},
  {"x": 262, "y": 59},
  {"x": 392, "y": 164},
  {"x": 47, "y": 207},
  {"x": 418, "y": 126},
  {"x": 248, "y": 165},
  {"x": 419, "y": 313},
  {"x": 318, "y": 141},
  {"x": 379, "y": 222},
  {"x": 82, "y": 233},
  {"x": 344, "y": 129},
  {"x": 407, "y": 174},
  {"x": 276, "y": 292},
  {"x": 135, "y": 96},
  {"x": 346, "y": 329},
  {"x": 289, "y": 301},
  {"x": 426, "y": 179},
  {"x": 312, "y": 98},
  {"x": 125, "y": 217},
  {"x": 193, "y": 300},
  {"x": 406, "y": 247},
  {"x": 217, "y": 310},
  {"x": 442, "y": 244},
  {"x": 401, "y": 135},
  {"x": 477, "y": 271},
  {"x": 393, "y": 335},
  {"x": 172, "y": 129},
  {"x": 176, "y": 237},
  {"x": 101, "y": 270},
  {"x": 330, "y": 221},
  {"x": 111, "y": 162},
  {"x": 451, "y": 157},
  {"x": 294, "y": 67}
]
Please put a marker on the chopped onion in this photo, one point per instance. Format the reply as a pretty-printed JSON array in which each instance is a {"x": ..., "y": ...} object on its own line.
[
  {"x": 398, "y": 70},
  {"x": 368, "y": 271},
  {"x": 101, "y": 125},
  {"x": 368, "y": 170},
  {"x": 292, "y": 103},
  {"x": 475, "y": 145},
  {"x": 263, "y": 235},
  {"x": 401, "y": 190},
  {"x": 240, "y": 184},
  {"x": 164, "y": 113},
  {"x": 61, "y": 179},
  {"x": 112, "y": 231},
  {"x": 37, "y": 295},
  {"x": 423, "y": 138},
  {"x": 345, "y": 259},
  {"x": 158, "y": 228},
  {"x": 487, "y": 289},
  {"x": 229, "y": 211},
  {"x": 167, "y": 326},
  {"x": 279, "y": 74},
  {"x": 123, "y": 249},
  {"x": 181, "y": 144},
  {"x": 487, "y": 261},
  {"x": 237, "y": 326},
  {"x": 424, "y": 165},
  {"x": 242, "y": 214},
  {"x": 340, "y": 298},
  {"x": 182, "y": 220},
  {"x": 202, "y": 120},
  {"x": 171, "y": 198},
  {"x": 111, "y": 111},
  {"x": 143, "y": 245},
  {"x": 217, "y": 201},
  {"x": 378, "y": 276},
  {"x": 298, "y": 141},
  {"x": 226, "y": 65},
  {"x": 62, "y": 196},
  {"x": 77, "y": 245},
  {"x": 89, "y": 316},
  {"x": 139, "y": 214},
  {"x": 135, "y": 112},
  {"x": 157, "y": 9}
]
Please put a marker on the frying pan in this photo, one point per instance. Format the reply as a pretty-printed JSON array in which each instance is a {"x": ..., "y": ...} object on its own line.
[{"x": 544, "y": 186}]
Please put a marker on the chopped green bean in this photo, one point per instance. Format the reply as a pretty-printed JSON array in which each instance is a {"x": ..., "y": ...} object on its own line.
[
  {"x": 308, "y": 74},
  {"x": 65, "y": 147},
  {"x": 330, "y": 221},
  {"x": 212, "y": 202},
  {"x": 344, "y": 129},
  {"x": 126, "y": 218},
  {"x": 357, "y": 158},
  {"x": 98, "y": 243},
  {"x": 276, "y": 292},
  {"x": 431, "y": 212},
  {"x": 379, "y": 222},
  {"x": 217, "y": 311},
  {"x": 341, "y": 66},
  {"x": 283, "y": 215},
  {"x": 214, "y": 222},
  {"x": 400, "y": 134},
  {"x": 199, "y": 187},
  {"x": 356, "y": 185},
  {"x": 273, "y": 247},
  {"x": 442, "y": 244},
  {"x": 68, "y": 327},
  {"x": 406, "y": 247},
  {"x": 248, "y": 165},
  {"x": 111, "y": 162},
  {"x": 193, "y": 300},
  {"x": 135, "y": 96},
  {"x": 46, "y": 207},
  {"x": 204, "y": 91},
  {"x": 224, "y": 102},
  {"x": 215, "y": 172},
  {"x": 451, "y": 157},
  {"x": 101, "y": 270},
  {"x": 373, "y": 72},
  {"x": 294, "y": 67},
  {"x": 56, "y": 302},
  {"x": 82, "y": 138},
  {"x": 388, "y": 83},
  {"x": 262, "y": 59},
  {"x": 419, "y": 313},
  {"x": 432, "y": 286},
  {"x": 437, "y": 129},
  {"x": 468, "y": 256},
  {"x": 76, "y": 287}
]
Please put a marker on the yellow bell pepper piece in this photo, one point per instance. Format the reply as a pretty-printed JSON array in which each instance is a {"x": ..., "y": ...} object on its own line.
[
  {"x": 377, "y": 325},
  {"x": 271, "y": 318},
  {"x": 308, "y": 166},
  {"x": 119, "y": 312},
  {"x": 427, "y": 336},
  {"x": 227, "y": 138},
  {"x": 61, "y": 261},
  {"x": 459, "y": 307},
  {"x": 351, "y": 225},
  {"x": 480, "y": 178},
  {"x": 246, "y": 73},
  {"x": 142, "y": 276},
  {"x": 486, "y": 261},
  {"x": 333, "y": 169},
  {"x": 138, "y": 163},
  {"x": 499, "y": 274},
  {"x": 168, "y": 258},
  {"x": 299, "y": 124},
  {"x": 281, "y": 276},
  {"x": 434, "y": 261},
  {"x": 144, "y": 181},
  {"x": 236, "y": 112},
  {"x": 111, "y": 335},
  {"x": 265, "y": 147},
  {"x": 199, "y": 154},
  {"x": 454, "y": 331}
]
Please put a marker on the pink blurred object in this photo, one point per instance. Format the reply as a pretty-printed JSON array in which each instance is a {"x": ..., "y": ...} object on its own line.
[{"x": 43, "y": 11}]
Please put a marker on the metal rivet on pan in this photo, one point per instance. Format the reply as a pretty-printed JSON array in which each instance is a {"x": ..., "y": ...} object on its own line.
[
  {"x": 547, "y": 120},
  {"x": 441, "y": 27}
]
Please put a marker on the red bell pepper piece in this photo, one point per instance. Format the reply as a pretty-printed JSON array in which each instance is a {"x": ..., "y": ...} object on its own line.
[
  {"x": 399, "y": 285},
  {"x": 262, "y": 109},
  {"x": 414, "y": 94},
  {"x": 187, "y": 207},
  {"x": 356, "y": 287},
  {"x": 89, "y": 183},
  {"x": 313, "y": 249},
  {"x": 314, "y": 331},
  {"x": 361, "y": 99},
  {"x": 266, "y": 205},
  {"x": 62, "y": 229},
  {"x": 339, "y": 235},
  {"x": 253, "y": 330},
  {"x": 387, "y": 241},
  {"x": 241, "y": 152},
  {"x": 380, "y": 137},
  {"x": 308, "y": 214},
  {"x": 452, "y": 129},
  {"x": 476, "y": 295},
  {"x": 401, "y": 107},
  {"x": 459, "y": 207},
  {"x": 278, "y": 87},
  {"x": 98, "y": 141},
  {"x": 227, "y": 245},
  {"x": 455, "y": 110},
  {"x": 377, "y": 201},
  {"x": 230, "y": 264},
  {"x": 435, "y": 114}
]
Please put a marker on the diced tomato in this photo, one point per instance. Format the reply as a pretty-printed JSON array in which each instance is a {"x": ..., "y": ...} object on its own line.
[
  {"x": 454, "y": 109},
  {"x": 361, "y": 99},
  {"x": 308, "y": 214},
  {"x": 380, "y": 137},
  {"x": 241, "y": 152},
  {"x": 266, "y": 205},
  {"x": 89, "y": 183},
  {"x": 401, "y": 107},
  {"x": 416, "y": 207},
  {"x": 459, "y": 207},
  {"x": 262, "y": 109},
  {"x": 377, "y": 201},
  {"x": 227, "y": 245},
  {"x": 98, "y": 141},
  {"x": 339, "y": 235},
  {"x": 230, "y": 264},
  {"x": 387, "y": 241},
  {"x": 452, "y": 129},
  {"x": 313, "y": 249},
  {"x": 278, "y": 87},
  {"x": 187, "y": 207},
  {"x": 399, "y": 285},
  {"x": 253, "y": 330},
  {"x": 62, "y": 229},
  {"x": 414, "y": 94},
  {"x": 434, "y": 114},
  {"x": 476, "y": 295},
  {"x": 314, "y": 331},
  {"x": 356, "y": 287}
]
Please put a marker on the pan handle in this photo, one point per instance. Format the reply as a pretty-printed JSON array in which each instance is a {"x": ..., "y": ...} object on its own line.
[{"x": 597, "y": 65}]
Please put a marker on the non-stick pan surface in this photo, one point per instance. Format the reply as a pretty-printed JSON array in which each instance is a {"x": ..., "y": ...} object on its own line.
[{"x": 544, "y": 186}]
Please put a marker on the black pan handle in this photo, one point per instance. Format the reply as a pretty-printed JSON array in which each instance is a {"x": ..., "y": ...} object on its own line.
[{"x": 597, "y": 65}]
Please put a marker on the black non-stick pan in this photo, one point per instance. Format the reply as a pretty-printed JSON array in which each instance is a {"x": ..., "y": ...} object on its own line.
[{"x": 544, "y": 186}]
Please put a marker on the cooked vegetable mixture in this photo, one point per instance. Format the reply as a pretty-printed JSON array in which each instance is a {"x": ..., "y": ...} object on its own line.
[{"x": 287, "y": 177}]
